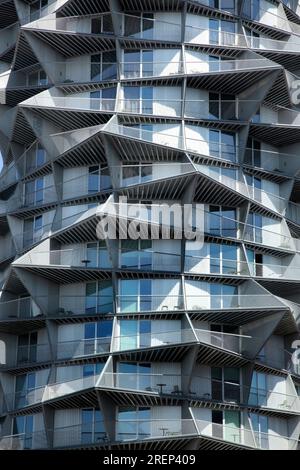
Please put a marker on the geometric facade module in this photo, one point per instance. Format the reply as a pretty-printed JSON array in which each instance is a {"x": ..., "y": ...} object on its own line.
[{"x": 151, "y": 337}]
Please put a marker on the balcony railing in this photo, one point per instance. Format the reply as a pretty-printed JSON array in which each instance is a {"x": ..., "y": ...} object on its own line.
[
  {"x": 29, "y": 355},
  {"x": 28, "y": 441},
  {"x": 188, "y": 67},
  {"x": 201, "y": 389},
  {"x": 244, "y": 437},
  {"x": 69, "y": 102},
  {"x": 23, "y": 308},
  {"x": 145, "y": 430},
  {"x": 83, "y": 348},
  {"x": 269, "y": 200}
]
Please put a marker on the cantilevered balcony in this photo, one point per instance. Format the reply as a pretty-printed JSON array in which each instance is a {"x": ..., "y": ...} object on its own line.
[
  {"x": 155, "y": 69},
  {"x": 30, "y": 441},
  {"x": 28, "y": 356},
  {"x": 146, "y": 431},
  {"x": 72, "y": 103},
  {"x": 19, "y": 309},
  {"x": 243, "y": 437},
  {"x": 270, "y": 201}
]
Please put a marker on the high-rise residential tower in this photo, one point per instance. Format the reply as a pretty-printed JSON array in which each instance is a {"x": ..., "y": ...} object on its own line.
[{"x": 164, "y": 342}]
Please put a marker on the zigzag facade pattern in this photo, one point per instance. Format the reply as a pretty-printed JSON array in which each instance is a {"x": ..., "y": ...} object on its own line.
[{"x": 151, "y": 344}]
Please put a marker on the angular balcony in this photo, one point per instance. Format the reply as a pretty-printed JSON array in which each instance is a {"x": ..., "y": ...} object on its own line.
[
  {"x": 143, "y": 430},
  {"x": 216, "y": 266},
  {"x": 153, "y": 340},
  {"x": 150, "y": 303},
  {"x": 51, "y": 7},
  {"x": 29, "y": 356},
  {"x": 71, "y": 103},
  {"x": 190, "y": 109},
  {"x": 241, "y": 302},
  {"x": 208, "y": 390},
  {"x": 8, "y": 177},
  {"x": 270, "y": 201},
  {"x": 19, "y": 309},
  {"x": 243, "y": 437},
  {"x": 139, "y": 174},
  {"x": 28, "y": 441}
]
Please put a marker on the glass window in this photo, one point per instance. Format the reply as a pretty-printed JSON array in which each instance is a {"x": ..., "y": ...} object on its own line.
[
  {"x": 99, "y": 297},
  {"x": 260, "y": 426},
  {"x": 92, "y": 428},
  {"x": 23, "y": 427}
]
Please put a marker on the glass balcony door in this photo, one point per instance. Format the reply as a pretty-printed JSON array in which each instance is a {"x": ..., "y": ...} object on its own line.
[
  {"x": 92, "y": 426},
  {"x": 135, "y": 295},
  {"x": 24, "y": 385},
  {"x": 133, "y": 423},
  {"x": 27, "y": 348},
  {"x": 23, "y": 427},
  {"x": 258, "y": 392},
  {"x": 136, "y": 254},
  {"x": 97, "y": 336},
  {"x": 99, "y": 297}
]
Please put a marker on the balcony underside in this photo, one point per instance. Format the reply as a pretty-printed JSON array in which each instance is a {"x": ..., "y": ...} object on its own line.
[
  {"x": 74, "y": 44},
  {"x": 61, "y": 275},
  {"x": 173, "y": 187},
  {"x": 8, "y": 14},
  {"x": 8, "y": 54},
  {"x": 88, "y": 7},
  {"x": 22, "y": 132},
  {"x": 288, "y": 60},
  {"x": 18, "y": 327},
  {"x": 14, "y": 96},
  {"x": 24, "y": 56},
  {"x": 87, "y": 152},
  {"x": 44, "y": 170},
  {"x": 228, "y": 82},
  {"x": 71, "y": 119},
  {"x": 271, "y": 31},
  {"x": 31, "y": 211},
  {"x": 275, "y": 134},
  {"x": 234, "y": 317},
  {"x": 132, "y": 150}
]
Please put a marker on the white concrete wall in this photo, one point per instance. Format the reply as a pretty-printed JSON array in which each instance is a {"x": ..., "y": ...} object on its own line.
[
  {"x": 274, "y": 351},
  {"x": 165, "y": 294},
  {"x": 197, "y": 139},
  {"x": 278, "y": 427},
  {"x": 197, "y": 29},
  {"x": 167, "y": 134},
  {"x": 197, "y": 103},
  {"x": 196, "y": 62},
  {"x": 271, "y": 189},
  {"x": 166, "y": 417},
  {"x": 272, "y": 232},
  {"x": 268, "y": 115},
  {"x": 166, "y": 61},
  {"x": 197, "y": 295},
  {"x": 167, "y": 101},
  {"x": 65, "y": 418},
  {"x": 171, "y": 260},
  {"x": 201, "y": 381},
  {"x": 167, "y": 26},
  {"x": 77, "y": 69},
  {"x": 72, "y": 298},
  {"x": 75, "y": 182}
]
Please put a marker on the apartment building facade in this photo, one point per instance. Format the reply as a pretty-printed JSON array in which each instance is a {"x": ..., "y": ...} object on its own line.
[{"x": 161, "y": 343}]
